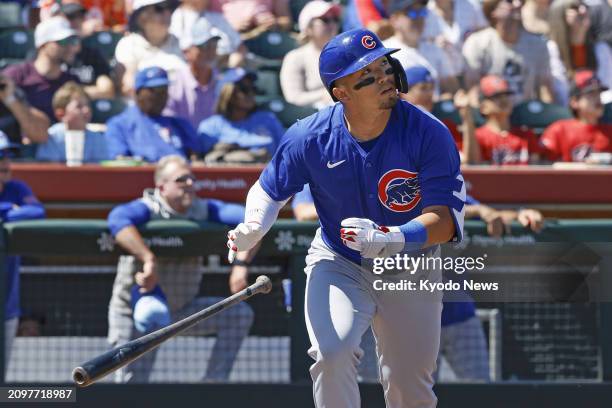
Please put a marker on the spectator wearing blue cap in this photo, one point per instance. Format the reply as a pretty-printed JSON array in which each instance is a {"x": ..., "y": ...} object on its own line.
[
  {"x": 239, "y": 132},
  {"x": 421, "y": 86},
  {"x": 142, "y": 131},
  {"x": 17, "y": 202},
  {"x": 192, "y": 93}
]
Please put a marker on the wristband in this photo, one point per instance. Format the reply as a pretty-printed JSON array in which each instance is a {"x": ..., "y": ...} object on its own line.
[
  {"x": 238, "y": 262},
  {"x": 415, "y": 234}
]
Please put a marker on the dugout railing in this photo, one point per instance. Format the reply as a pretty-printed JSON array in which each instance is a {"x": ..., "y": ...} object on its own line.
[{"x": 557, "y": 344}]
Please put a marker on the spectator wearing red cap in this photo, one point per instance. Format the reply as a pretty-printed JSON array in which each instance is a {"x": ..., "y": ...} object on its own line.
[
  {"x": 299, "y": 75},
  {"x": 499, "y": 142},
  {"x": 576, "y": 139}
]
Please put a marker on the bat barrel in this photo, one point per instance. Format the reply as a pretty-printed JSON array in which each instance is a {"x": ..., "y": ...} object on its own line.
[{"x": 102, "y": 365}]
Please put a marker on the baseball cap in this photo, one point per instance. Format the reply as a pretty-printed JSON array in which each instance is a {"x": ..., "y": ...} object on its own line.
[
  {"x": 55, "y": 28},
  {"x": 418, "y": 74},
  {"x": 6, "y": 144},
  {"x": 493, "y": 85},
  {"x": 138, "y": 4},
  {"x": 401, "y": 5},
  {"x": 585, "y": 81},
  {"x": 232, "y": 76},
  {"x": 151, "y": 77},
  {"x": 201, "y": 32},
  {"x": 73, "y": 9},
  {"x": 315, "y": 9}
]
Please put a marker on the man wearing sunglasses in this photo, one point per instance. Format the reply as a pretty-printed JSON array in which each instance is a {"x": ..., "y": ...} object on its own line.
[
  {"x": 168, "y": 288},
  {"x": 56, "y": 44},
  {"x": 142, "y": 131},
  {"x": 408, "y": 20}
]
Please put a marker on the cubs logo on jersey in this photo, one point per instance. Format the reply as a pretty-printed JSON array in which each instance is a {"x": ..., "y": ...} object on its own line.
[
  {"x": 368, "y": 42},
  {"x": 398, "y": 190}
]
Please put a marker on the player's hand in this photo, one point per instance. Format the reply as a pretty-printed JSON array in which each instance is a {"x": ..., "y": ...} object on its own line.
[
  {"x": 531, "y": 219},
  {"x": 243, "y": 238},
  {"x": 370, "y": 239},
  {"x": 147, "y": 278},
  {"x": 238, "y": 279}
]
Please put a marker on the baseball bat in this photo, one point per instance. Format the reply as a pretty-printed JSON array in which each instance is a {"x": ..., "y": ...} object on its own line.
[{"x": 104, "y": 364}]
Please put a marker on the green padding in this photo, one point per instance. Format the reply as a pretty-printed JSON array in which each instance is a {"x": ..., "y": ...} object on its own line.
[{"x": 180, "y": 238}]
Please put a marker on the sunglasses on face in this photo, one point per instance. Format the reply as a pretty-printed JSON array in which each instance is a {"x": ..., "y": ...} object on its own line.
[
  {"x": 247, "y": 89},
  {"x": 185, "y": 178},
  {"x": 69, "y": 41}
]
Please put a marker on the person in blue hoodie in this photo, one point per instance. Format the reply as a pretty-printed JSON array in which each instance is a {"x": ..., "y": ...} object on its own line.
[
  {"x": 150, "y": 291},
  {"x": 141, "y": 131},
  {"x": 17, "y": 202}
]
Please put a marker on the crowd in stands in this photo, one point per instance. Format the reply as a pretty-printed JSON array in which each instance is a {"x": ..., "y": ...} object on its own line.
[
  {"x": 191, "y": 89},
  {"x": 190, "y": 85}
]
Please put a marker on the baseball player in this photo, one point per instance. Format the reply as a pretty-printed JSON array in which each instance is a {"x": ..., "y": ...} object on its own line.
[{"x": 369, "y": 161}]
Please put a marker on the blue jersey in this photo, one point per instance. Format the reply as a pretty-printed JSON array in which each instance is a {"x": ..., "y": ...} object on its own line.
[
  {"x": 413, "y": 164},
  {"x": 17, "y": 202}
]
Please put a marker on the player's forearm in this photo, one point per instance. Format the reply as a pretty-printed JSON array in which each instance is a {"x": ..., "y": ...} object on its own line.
[
  {"x": 261, "y": 208},
  {"x": 130, "y": 240},
  {"x": 438, "y": 223}
]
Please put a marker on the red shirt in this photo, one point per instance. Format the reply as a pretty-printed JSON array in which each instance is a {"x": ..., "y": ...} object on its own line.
[
  {"x": 572, "y": 140},
  {"x": 512, "y": 147},
  {"x": 454, "y": 131}
]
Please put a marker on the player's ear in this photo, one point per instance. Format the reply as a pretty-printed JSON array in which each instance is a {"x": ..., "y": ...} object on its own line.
[{"x": 339, "y": 92}]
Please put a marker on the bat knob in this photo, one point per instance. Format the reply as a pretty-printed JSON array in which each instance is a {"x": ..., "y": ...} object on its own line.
[
  {"x": 81, "y": 377},
  {"x": 265, "y": 282}
]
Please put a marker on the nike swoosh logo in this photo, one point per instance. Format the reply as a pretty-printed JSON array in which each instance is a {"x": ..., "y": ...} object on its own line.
[{"x": 331, "y": 166}]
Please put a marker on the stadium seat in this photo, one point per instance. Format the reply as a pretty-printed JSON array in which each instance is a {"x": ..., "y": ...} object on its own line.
[
  {"x": 104, "y": 41},
  {"x": 10, "y": 15},
  {"x": 537, "y": 115},
  {"x": 104, "y": 109},
  {"x": 15, "y": 45},
  {"x": 287, "y": 113},
  {"x": 607, "y": 116},
  {"x": 268, "y": 85},
  {"x": 445, "y": 110},
  {"x": 271, "y": 45}
]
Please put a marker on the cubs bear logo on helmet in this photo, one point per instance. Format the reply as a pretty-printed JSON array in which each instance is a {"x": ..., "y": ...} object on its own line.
[{"x": 351, "y": 51}]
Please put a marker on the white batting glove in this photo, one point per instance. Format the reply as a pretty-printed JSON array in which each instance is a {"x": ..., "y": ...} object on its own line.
[
  {"x": 243, "y": 238},
  {"x": 370, "y": 239}
]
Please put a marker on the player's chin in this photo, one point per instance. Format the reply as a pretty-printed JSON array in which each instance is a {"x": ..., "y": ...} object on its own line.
[{"x": 389, "y": 101}]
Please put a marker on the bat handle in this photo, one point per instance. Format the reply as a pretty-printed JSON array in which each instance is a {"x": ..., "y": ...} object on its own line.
[{"x": 262, "y": 284}]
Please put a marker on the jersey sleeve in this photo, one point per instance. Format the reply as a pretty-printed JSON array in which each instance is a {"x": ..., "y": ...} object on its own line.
[
  {"x": 440, "y": 176},
  {"x": 133, "y": 213},
  {"x": 550, "y": 142},
  {"x": 116, "y": 139},
  {"x": 287, "y": 172},
  {"x": 225, "y": 213},
  {"x": 303, "y": 197}
]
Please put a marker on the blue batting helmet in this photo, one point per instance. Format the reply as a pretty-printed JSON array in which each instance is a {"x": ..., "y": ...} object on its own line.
[{"x": 349, "y": 52}]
